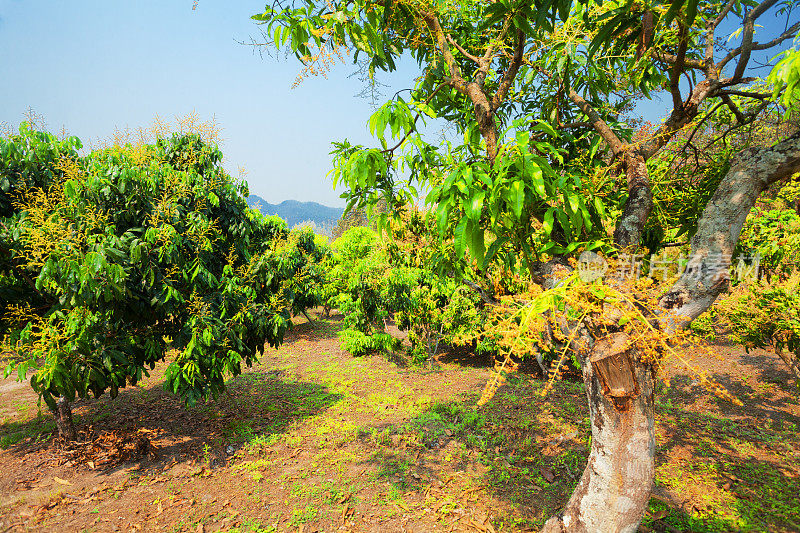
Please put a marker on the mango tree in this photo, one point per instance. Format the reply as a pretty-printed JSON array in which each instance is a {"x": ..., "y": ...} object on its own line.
[
  {"x": 538, "y": 91},
  {"x": 109, "y": 261}
]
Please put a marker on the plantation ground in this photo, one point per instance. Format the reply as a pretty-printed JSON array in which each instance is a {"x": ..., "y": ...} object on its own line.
[{"x": 313, "y": 439}]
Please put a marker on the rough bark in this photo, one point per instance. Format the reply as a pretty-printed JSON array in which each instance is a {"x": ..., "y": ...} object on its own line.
[
  {"x": 64, "y": 423},
  {"x": 630, "y": 226},
  {"x": 706, "y": 275},
  {"x": 485, "y": 116},
  {"x": 637, "y": 208},
  {"x": 613, "y": 492}
]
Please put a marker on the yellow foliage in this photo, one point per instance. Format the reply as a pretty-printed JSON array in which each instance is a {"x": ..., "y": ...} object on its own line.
[{"x": 575, "y": 315}]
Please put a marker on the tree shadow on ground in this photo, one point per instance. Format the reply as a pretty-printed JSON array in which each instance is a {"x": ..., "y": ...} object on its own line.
[
  {"x": 757, "y": 402},
  {"x": 526, "y": 457},
  {"x": 770, "y": 368},
  {"x": 256, "y": 406},
  {"x": 468, "y": 356},
  {"x": 464, "y": 356},
  {"x": 527, "y": 454},
  {"x": 729, "y": 471}
]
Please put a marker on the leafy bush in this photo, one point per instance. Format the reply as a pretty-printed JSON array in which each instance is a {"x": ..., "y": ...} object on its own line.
[
  {"x": 108, "y": 260},
  {"x": 303, "y": 259},
  {"x": 357, "y": 280},
  {"x": 358, "y": 343},
  {"x": 371, "y": 281},
  {"x": 767, "y": 315},
  {"x": 29, "y": 160},
  {"x": 774, "y": 236}
]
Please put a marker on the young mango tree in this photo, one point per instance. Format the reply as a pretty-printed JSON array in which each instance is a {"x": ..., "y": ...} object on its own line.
[
  {"x": 538, "y": 91},
  {"x": 110, "y": 260}
]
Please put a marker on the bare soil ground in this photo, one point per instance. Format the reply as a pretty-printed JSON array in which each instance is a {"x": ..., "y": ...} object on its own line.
[{"x": 315, "y": 440}]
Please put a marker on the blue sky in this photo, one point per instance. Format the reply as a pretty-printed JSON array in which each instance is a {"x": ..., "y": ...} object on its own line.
[{"x": 92, "y": 67}]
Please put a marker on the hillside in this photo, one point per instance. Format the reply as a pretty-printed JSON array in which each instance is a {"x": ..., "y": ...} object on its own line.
[{"x": 294, "y": 212}]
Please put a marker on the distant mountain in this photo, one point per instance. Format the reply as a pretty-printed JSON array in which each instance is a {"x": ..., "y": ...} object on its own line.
[{"x": 294, "y": 212}]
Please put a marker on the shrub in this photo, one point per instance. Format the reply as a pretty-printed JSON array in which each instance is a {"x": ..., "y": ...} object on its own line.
[
  {"x": 110, "y": 259},
  {"x": 773, "y": 235},
  {"x": 767, "y": 315}
]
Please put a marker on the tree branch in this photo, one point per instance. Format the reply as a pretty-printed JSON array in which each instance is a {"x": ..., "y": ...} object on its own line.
[
  {"x": 677, "y": 68},
  {"x": 697, "y": 127},
  {"x": 735, "y": 110},
  {"x": 414, "y": 124},
  {"x": 485, "y": 296},
  {"x": 511, "y": 71},
  {"x": 732, "y": 92},
  {"x": 747, "y": 37},
  {"x": 710, "y": 31},
  {"x": 687, "y": 61},
  {"x": 597, "y": 122},
  {"x": 788, "y": 34},
  {"x": 456, "y": 79},
  {"x": 463, "y": 52},
  {"x": 486, "y": 59},
  {"x": 720, "y": 225},
  {"x": 680, "y": 117}
]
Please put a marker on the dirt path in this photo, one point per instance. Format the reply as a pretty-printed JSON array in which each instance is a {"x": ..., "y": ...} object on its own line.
[{"x": 313, "y": 439}]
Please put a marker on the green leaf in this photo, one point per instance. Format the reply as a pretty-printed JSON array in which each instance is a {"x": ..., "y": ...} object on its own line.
[
  {"x": 671, "y": 12},
  {"x": 517, "y": 190},
  {"x": 460, "y": 237},
  {"x": 474, "y": 206},
  {"x": 477, "y": 246},
  {"x": 538, "y": 183},
  {"x": 598, "y": 205},
  {"x": 547, "y": 223},
  {"x": 691, "y": 12},
  {"x": 493, "y": 249}
]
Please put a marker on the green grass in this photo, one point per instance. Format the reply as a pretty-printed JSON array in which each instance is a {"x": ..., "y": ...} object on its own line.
[{"x": 38, "y": 428}]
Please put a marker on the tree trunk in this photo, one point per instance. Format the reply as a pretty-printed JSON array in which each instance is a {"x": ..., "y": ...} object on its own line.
[
  {"x": 639, "y": 204},
  {"x": 64, "y": 423},
  {"x": 613, "y": 492},
  {"x": 792, "y": 362}
]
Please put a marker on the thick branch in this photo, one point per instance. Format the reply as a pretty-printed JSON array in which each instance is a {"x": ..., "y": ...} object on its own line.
[
  {"x": 677, "y": 68},
  {"x": 747, "y": 37},
  {"x": 687, "y": 61},
  {"x": 597, "y": 122},
  {"x": 456, "y": 77},
  {"x": 788, "y": 34},
  {"x": 511, "y": 71},
  {"x": 639, "y": 204},
  {"x": 710, "y": 30},
  {"x": 487, "y": 58},
  {"x": 679, "y": 117},
  {"x": 758, "y": 96},
  {"x": 481, "y": 104},
  {"x": 735, "y": 110},
  {"x": 719, "y": 227},
  {"x": 697, "y": 127}
]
